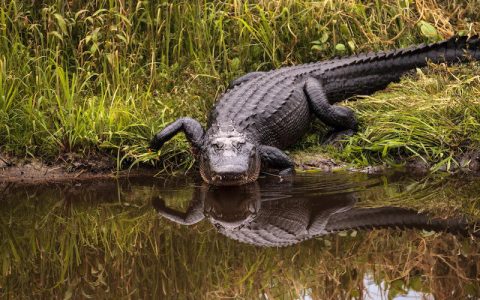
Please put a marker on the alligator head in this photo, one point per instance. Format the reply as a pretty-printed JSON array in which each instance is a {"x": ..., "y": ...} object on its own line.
[
  {"x": 229, "y": 157},
  {"x": 232, "y": 207}
]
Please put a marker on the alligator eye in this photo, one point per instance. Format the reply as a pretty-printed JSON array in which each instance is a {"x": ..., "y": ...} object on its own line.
[
  {"x": 217, "y": 147},
  {"x": 238, "y": 145}
]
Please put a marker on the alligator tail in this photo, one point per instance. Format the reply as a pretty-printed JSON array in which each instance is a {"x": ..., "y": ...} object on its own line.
[
  {"x": 366, "y": 73},
  {"x": 396, "y": 217}
]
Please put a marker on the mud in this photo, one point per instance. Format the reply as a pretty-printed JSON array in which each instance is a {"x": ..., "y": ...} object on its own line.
[
  {"x": 65, "y": 168},
  {"x": 72, "y": 166}
]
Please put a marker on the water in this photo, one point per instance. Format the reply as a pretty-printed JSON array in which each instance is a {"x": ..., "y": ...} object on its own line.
[{"x": 147, "y": 237}]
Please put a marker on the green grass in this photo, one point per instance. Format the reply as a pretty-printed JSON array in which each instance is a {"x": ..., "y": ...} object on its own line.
[
  {"x": 103, "y": 76},
  {"x": 434, "y": 116}
]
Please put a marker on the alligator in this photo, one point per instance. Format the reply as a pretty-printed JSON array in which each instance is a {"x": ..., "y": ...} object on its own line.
[
  {"x": 276, "y": 219},
  {"x": 263, "y": 113}
]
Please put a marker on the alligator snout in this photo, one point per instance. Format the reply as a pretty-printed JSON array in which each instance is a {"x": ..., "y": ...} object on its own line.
[
  {"x": 227, "y": 170},
  {"x": 233, "y": 174}
]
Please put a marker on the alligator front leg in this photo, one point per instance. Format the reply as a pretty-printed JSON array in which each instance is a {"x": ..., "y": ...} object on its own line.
[
  {"x": 192, "y": 129},
  {"x": 193, "y": 215},
  {"x": 342, "y": 119},
  {"x": 276, "y": 159}
]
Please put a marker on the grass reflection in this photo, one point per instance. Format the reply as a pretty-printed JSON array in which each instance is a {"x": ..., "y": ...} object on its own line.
[{"x": 78, "y": 241}]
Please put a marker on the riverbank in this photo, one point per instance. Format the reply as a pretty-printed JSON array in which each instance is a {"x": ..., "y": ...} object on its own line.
[
  {"x": 428, "y": 122},
  {"x": 74, "y": 167},
  {"x": 66, "y": 86},
  {"x": 69, "y": 167}
]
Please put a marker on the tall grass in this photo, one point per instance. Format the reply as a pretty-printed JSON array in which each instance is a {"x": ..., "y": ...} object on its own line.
[
  {"x": 103, "y": 76},
  {"x": 433, "y": 116}
]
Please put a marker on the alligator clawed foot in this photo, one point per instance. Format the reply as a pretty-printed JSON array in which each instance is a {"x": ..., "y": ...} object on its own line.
[
  {"x": 287, "y": 172},
  {"x": 335, "y": 138},
  {"x": 282, "y": 174}
]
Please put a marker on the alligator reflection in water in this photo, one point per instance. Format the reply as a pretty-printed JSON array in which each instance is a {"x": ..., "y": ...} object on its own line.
[
  {"x": 275, "y": 216},
  {"x": 103, "y": 239}
]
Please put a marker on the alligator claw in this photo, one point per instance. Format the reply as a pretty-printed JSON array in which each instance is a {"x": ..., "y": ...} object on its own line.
[
  {"x": 334, "y": 138},
  {"x": 287, "y": 172}
]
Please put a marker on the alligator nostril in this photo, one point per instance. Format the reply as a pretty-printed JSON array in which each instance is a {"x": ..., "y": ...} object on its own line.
[{"x": 230, "y": 170}]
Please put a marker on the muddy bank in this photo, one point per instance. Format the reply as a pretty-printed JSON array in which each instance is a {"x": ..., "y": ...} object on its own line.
[
  {"x": 64, "y": 168},
  {"x": 77, "y": 167},
  {"x": 467, "y": 163}
]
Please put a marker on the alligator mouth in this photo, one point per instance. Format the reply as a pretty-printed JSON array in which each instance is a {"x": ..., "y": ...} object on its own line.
[
  {"x": 231, "y": 220},
  {"x": 229, "y": 170},
  {"x": 230, "y": 179}
]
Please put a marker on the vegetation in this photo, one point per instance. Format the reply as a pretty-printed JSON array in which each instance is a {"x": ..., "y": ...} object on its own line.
[
  {"x": 103, "y": 76},
  {"x": 433, "y": 116}
]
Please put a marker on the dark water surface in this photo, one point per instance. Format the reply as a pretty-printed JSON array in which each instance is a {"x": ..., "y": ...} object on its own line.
[{"x": 313, "y": 236}]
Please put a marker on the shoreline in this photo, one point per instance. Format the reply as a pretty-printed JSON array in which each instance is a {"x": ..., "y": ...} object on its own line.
[
  {"x": 30, "y": 171},
  {"x": 73, "y": 167}
]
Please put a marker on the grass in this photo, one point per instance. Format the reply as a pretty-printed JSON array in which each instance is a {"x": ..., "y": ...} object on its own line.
[
  {"x": 432, "y": 116},
  {"x": 103, "y": 76},
  {"x": 435, "y": 116}
]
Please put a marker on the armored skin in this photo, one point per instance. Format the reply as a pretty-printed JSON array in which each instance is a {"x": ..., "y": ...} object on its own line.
[{"x": 262, "y": 113}]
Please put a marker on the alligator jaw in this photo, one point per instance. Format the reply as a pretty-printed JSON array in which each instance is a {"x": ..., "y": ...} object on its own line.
[{"x": 231, "y": 179}]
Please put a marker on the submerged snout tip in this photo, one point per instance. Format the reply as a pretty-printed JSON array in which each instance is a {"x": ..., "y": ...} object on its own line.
[{"x": 230, "y": 178}]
